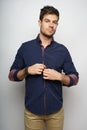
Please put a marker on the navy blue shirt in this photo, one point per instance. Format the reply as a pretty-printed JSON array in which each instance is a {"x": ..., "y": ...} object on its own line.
[{"x": 44, "y": 96}]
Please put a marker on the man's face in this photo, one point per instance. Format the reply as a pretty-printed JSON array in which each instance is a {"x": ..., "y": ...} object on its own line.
[{"x": 48, "y": 25}]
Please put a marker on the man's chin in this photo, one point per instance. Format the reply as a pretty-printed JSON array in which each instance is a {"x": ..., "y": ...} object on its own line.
[{"x": 47, "y": 35}]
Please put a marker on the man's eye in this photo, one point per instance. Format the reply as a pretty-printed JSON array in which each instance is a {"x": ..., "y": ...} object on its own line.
[
  {"x": 55, "y": 22},
  {"x": 46, "y": 20}
]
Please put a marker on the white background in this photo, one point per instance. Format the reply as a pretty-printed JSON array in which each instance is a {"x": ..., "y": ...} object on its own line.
[{"x": 19, "y": 23}]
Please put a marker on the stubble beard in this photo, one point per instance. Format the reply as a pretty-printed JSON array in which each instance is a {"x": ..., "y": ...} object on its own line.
[{"x": 46, "y": 35}]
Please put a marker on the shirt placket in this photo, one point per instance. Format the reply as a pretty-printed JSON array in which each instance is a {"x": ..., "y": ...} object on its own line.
[{"x": 43, "y": 52}]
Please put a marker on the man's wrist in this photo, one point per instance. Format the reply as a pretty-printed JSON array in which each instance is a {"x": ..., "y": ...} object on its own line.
[
  {"x": 26, "y": 71},
  {"x": 62, "y": 77}
]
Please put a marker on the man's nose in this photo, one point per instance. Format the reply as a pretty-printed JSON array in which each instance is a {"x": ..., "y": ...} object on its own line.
[{"x": 51, "y": 24}]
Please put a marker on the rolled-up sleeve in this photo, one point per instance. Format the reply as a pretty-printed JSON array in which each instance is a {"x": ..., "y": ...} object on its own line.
[
  {"x": 70, "y": 70},
  {"x": 17, "y": 65}
]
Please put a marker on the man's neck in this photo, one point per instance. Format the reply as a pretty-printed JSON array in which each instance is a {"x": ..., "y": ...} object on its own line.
[{"x": 45, "y": 41}]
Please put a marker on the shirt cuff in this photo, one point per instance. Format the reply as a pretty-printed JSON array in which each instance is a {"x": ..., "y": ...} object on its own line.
[{"x": 71, "y": 81}]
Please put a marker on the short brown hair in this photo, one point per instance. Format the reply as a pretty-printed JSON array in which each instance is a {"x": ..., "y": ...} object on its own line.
[{"x": 48, "y": 10}]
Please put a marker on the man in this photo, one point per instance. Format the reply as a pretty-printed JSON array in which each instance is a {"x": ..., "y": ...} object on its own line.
[{"x": 41, "y": 62}]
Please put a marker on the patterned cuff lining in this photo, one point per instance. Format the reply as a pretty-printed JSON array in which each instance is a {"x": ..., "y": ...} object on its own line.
[
  {"x": 73, "y": 79},
  {"x": 13, "y": 75}
]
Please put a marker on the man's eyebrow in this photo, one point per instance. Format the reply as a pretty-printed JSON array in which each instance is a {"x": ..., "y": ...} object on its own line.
[
  {"x": 46, "y": 19},
  {"x": 49, "y": 19}
]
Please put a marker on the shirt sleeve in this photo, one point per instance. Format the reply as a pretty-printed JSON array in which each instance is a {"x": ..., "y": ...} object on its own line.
[
  {"x": 17, "y": 65},
  {"x": 70, "y": 70}
]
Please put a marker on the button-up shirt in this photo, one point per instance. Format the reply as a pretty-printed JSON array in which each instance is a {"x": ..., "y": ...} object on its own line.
[{"x": 43, "y": 96}]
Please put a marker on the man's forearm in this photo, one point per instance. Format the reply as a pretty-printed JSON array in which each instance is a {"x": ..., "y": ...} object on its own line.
[
  {"x": 65, "y": 79},
  {"x": 69, "y": 80},
  {"x": 21, "y": 74}
]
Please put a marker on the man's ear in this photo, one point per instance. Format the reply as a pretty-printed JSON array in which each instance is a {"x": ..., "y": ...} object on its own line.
[{"x": 39, "y": 22}]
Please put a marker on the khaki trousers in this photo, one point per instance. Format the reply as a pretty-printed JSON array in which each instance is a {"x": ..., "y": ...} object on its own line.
[{"x": 37, "y": 122}]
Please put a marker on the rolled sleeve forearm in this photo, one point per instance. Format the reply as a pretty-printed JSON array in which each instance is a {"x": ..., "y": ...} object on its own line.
[
  {"x": 13, "y": 75},
  {"x": 73, "y": 79}
]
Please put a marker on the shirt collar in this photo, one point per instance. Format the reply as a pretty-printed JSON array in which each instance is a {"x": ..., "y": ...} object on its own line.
[{"x": 39, "y": 40}]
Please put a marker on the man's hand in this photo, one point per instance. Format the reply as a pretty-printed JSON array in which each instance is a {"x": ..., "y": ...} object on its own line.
[
  {"x": 36, "y": 69},
  {"x": 51, "y": 74}
]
